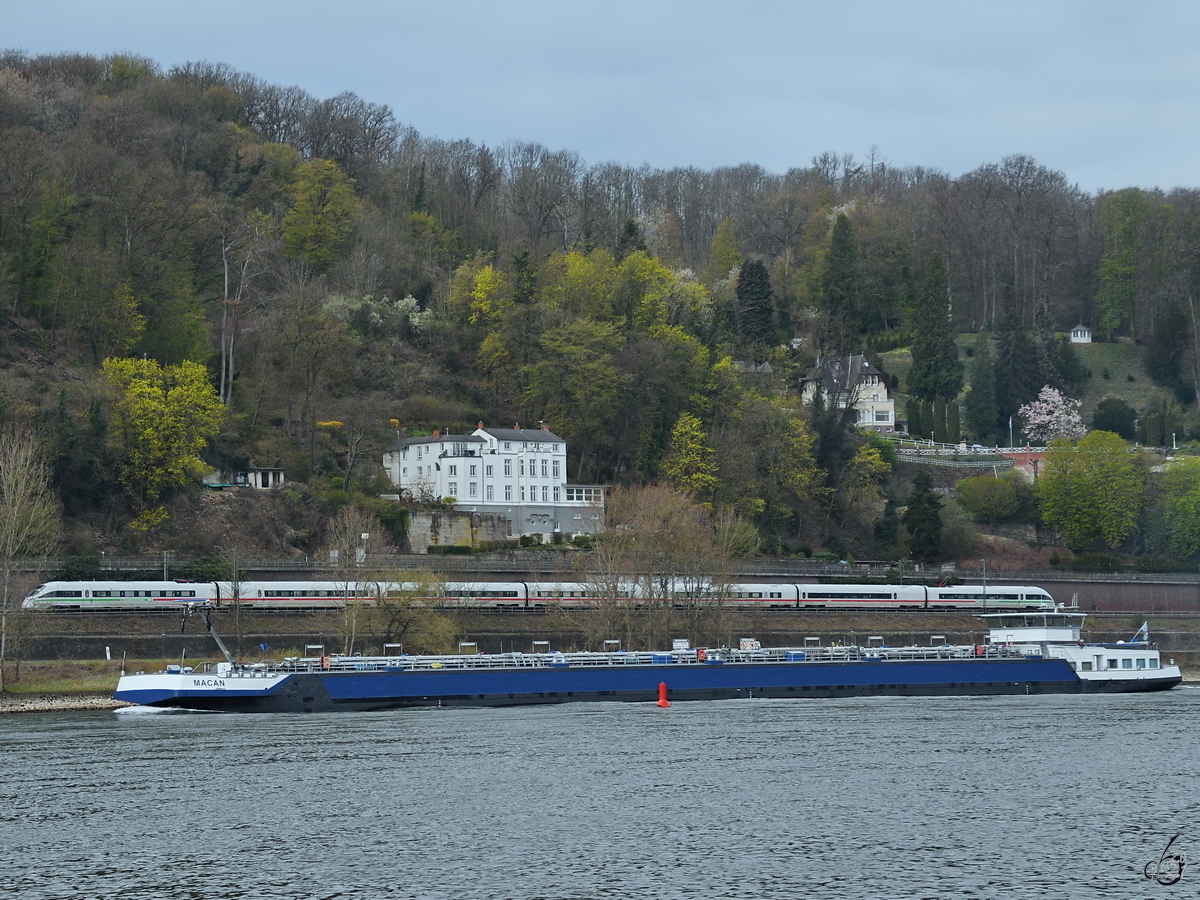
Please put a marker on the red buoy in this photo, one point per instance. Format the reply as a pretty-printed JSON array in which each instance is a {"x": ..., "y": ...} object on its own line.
[{"x": 662, "y": 695}]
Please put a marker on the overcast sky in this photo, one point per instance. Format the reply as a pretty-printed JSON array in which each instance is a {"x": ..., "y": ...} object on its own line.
[{"x": 1106, "y": 92}]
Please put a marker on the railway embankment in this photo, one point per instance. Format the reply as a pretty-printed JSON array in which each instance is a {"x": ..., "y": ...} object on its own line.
[{"x": 162, "y": 636}]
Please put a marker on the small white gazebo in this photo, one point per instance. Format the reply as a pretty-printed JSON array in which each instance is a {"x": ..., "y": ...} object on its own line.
[{"x": 1081, "y": 334}]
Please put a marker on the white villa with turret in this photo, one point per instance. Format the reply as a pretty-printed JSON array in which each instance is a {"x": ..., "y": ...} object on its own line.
[{"x": 518, "y": 473}]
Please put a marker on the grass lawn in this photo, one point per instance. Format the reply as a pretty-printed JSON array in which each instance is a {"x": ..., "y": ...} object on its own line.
[
  {"x": 72, "y": 676},
  {"x": 1126, "y": 380}
]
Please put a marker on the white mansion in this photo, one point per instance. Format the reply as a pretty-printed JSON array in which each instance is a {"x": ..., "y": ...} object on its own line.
[{"x": 520, "y": 474}]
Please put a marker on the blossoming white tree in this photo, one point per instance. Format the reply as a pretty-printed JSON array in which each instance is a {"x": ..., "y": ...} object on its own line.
[{"x": 1052, "y": 415}]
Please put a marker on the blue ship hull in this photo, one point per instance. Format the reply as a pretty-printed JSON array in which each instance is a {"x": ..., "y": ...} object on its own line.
[{"x": 397, "y": 687}]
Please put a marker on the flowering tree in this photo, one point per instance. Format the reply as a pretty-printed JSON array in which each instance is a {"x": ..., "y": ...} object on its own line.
[{"x": 1052, "y": 415}]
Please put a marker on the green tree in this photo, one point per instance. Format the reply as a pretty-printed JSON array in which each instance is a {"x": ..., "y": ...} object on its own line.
[
  {"x": 936, "y": 370},
  {"x": 953, "y": 423},
  {"x": 988, "y": 499},
  {"x": 756, "y": 306},
  {"x": 576, "y": 384},
  {"x": 1123, "y": 216},
  {"x": 1018, "y": 375},
  {"x": 940, "y": 434},
  {"x": 1181, "y": 507},
  {"x": 839, "y": 287},
  {"x": 319, "y": 223},
  {"x": 1092, "y": 492},
  {"x": 981, "y": 412},
  {"x": 916, "y": 423},
  {"x": 923, "y": 519},
  {"x": 689, "y": 464},
  {"x": 162, "y": 417},
  {"x": 723, "y": 254},
  {"x": 1117, "y": 416}
]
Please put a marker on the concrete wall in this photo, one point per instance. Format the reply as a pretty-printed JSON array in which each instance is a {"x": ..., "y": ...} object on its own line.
[{"x": 452, "y": 527}]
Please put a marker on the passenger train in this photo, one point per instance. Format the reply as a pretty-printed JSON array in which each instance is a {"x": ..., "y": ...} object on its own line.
[{"x": 517, "y": 595}]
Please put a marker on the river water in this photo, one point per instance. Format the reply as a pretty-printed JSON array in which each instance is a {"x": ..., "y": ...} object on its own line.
[{"x": 1020, "y": 797}]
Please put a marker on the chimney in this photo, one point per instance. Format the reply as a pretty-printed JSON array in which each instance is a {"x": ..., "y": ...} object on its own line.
[
  {"x": 437, "y": 433},
  {"x": 545, "y": 427},
  {"x": 516, "y": 426},
  {"x": 480, "y": 425}
]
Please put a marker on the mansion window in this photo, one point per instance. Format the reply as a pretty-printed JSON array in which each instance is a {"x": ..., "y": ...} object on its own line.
[{"x": 583, "y": 495}]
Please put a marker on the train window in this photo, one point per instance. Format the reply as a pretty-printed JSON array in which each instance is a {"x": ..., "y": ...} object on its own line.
[
  {"x": 101, "y": 594},
  {"x": 757, "y": 595},
  {"x": 775, "y": 594},
  {"x": 120, "y": 593}
]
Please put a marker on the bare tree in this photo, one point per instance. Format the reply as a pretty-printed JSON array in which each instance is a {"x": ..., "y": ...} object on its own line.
[
  {"x": 29, "y": 512},
  {"x": 657, "y": 569},
  {"x": 407, "y": 612},
  {"x": 353, "y": 536}
]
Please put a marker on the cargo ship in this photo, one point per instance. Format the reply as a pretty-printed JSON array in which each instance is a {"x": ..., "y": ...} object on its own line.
[{"x": 1025, "y": 653}]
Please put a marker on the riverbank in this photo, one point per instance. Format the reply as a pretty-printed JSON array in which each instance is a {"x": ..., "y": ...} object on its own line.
[{"x": 64, "y": 702}]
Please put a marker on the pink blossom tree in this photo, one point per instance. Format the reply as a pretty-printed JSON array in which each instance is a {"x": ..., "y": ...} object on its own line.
[{"x": 1052, "y": 415}]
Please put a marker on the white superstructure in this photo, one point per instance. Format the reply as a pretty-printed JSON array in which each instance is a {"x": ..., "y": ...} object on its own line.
[{"x": 1058, "y": 635}]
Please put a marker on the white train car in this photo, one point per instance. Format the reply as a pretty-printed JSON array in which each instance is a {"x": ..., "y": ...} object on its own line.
[
  {"x": 120, "y": 594},
  {"x": 293, "y": 595}
]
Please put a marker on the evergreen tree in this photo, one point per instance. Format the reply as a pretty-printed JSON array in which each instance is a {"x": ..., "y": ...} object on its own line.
[
  {"x": 1163, "y": 355},
  {"x": 887, "y": 527},
  {"x": 629, "y": 240},
  {"x": 756, "y": 305},
  {"x": 1018, "y": 378},
  {"x": 936, "y": 370},
  {"x": 839, "y": 287},
  {"x": 912, "y": 411},
  {"x": 923, "y": 519},
  {"x": 953, "y": 424},
  {"x": 939, "y": 420},
  {"x": 928, "y": 423},
  {"x": 981, "y": 398},
  {"x": 1117, "y": 416}
]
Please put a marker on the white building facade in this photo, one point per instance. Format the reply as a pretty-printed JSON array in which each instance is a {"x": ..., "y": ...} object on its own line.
[
  {"x": 518, "y": 473},
  {"x": 850, "y": 382}
]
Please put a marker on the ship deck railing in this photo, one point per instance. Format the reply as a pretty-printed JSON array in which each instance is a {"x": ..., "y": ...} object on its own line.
[{"x": 780, "y": 656}]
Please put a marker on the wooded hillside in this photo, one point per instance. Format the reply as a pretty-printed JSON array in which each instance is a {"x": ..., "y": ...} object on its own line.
[{"x": 345, "y": 280}]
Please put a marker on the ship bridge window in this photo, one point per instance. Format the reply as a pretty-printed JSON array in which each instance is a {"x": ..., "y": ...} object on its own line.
[
  {"x": 1127, "y": 664},
  {"x": 1085, "y": 666},
  {"x": 1110, "y": 663},
  {"x": 1153, "y": 663},
  {"x": 1141, "y": 663}
]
